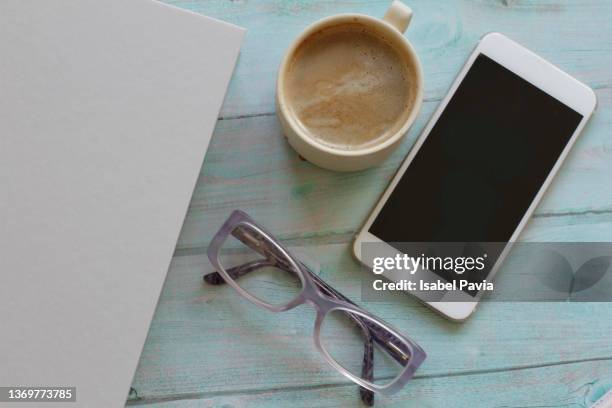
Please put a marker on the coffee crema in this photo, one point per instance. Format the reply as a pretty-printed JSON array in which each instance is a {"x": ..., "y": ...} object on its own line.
[{"x": 349, "y": 88}]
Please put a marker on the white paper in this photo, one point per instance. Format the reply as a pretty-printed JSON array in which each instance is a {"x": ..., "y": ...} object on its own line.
[{"x": 106, "y": 111}]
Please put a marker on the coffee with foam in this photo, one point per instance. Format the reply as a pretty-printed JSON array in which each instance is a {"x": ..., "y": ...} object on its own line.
[{"x": 349, "y": 87}]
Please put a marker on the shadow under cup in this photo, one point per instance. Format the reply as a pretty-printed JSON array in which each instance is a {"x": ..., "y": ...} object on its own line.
[{"x": 348, "y": 91}]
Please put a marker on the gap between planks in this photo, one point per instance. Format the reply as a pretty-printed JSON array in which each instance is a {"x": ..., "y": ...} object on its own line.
[
  {"x": 262, "y": 114},
  {"x": 425, "y": 100},
  {"x": 345, "y": 237},
  {"x": 195, "y": 396}
]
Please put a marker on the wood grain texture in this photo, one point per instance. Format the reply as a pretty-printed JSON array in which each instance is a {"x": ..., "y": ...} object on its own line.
[
  {"x": 572, "y": 34},
  {"x": 569, "y": 386},
  {"x": 206, "y": 339},
  {"x": 207, "y": 347},
  {"x": 249, "y": 165}
]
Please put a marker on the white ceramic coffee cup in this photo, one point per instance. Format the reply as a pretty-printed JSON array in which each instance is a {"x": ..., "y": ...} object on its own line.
[{"x": 392, "y": 25}]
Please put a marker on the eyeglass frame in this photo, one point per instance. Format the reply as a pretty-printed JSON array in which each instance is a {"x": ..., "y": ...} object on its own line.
[{"x": 312, "y": 293}]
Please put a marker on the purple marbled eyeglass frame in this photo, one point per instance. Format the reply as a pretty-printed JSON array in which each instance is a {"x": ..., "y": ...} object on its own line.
[{"x": 322, "y": 297}]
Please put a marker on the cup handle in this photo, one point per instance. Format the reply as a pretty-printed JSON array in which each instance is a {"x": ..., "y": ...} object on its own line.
[{"x": 398, "y": 15}]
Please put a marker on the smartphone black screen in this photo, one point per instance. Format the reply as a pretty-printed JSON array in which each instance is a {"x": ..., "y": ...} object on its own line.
[{"x": 482, "y": 164}]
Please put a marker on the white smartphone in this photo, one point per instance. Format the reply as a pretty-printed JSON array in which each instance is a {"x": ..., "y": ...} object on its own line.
[{"x": 484, "y": 160}]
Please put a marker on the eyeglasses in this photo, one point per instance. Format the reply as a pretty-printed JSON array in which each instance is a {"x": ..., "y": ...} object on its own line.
[{"x": 359, "y": 345}]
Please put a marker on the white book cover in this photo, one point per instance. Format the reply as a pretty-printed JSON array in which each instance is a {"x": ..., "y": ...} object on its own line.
[{"x": 106, "y": 111}]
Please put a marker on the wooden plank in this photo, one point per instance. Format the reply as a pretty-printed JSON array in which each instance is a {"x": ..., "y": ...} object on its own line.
[
  {"x": 572, "y": 34},
  {"x": 571, "y": 386},
  {"x": 212, "y": 348},
  {"x": 250, "y": 166},
  {"x": 206, "y": 339}
]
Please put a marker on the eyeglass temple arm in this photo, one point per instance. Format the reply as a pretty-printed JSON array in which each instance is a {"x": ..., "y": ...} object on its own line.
[
  {"x": 215, "y": 278},
  {"x": 381, "y": 336}
]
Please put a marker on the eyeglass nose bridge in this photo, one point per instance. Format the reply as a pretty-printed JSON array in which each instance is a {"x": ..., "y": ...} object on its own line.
[{"x": 316, "y": 299}]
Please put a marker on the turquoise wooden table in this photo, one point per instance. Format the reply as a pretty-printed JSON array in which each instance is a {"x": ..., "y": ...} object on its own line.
[{"x": 208, "y": 347}]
